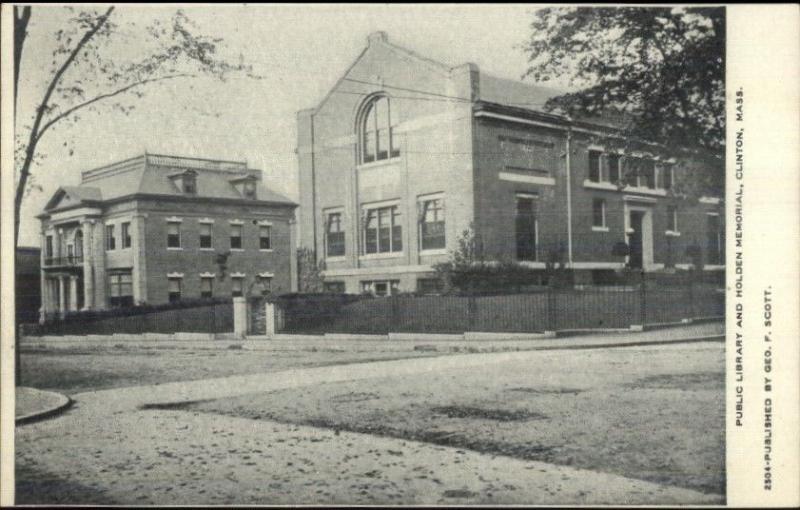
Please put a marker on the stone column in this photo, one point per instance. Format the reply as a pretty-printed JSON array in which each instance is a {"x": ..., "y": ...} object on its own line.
[
  {"x": 45, "y": 286},
  {"x": 99, "y": 265},
  {"x": 271, "y": 323},
  {"x": 73, "y": 293},
  {"x": 239, "y": 316},
  {"x": 62, "y": 305},
  {"x": 88, "y": 259},
  {"x": 58, "y": 233}
]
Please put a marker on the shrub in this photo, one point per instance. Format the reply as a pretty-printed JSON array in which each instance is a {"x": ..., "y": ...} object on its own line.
[{"x": 139, "y": 309}]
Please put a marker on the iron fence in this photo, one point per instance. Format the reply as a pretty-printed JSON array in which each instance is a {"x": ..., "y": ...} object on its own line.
[{"x": 548, "y": 309}]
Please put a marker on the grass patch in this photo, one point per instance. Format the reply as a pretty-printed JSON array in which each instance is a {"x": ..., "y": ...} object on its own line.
[
  {"x": 684, "y": 382},
  {"x": 547, "y": 391},
  {"x": 172, "y": 406},
  {"x": 477, "y": 413}
]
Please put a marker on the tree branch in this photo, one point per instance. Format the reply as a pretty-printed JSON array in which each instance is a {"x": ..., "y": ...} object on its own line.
[
  {"x": 101, "y": 97},
  {"x": 33, "y": 138},
  {"x": 22, "y": 16}
]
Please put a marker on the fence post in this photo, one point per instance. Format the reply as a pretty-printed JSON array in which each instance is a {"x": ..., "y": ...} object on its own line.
[
  {"x": 643, "y": 300},
  {"x": 240, "y": 316},
  {"x": 549, "y": 310},
  {"x": 395, "y": 321},
  {"x": 472, "y": 312},
  {"x": 270, "y": 321}
]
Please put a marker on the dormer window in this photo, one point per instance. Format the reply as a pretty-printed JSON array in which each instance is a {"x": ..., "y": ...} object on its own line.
[
  {"x": 249, "y": 189},
  {"x": 190, "y": 184},
  {"x": 186, "y": 182},
  {"x": 246, "y": 185}
]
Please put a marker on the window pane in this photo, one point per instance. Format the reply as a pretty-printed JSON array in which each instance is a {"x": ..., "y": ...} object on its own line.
[
  {"x": 382, "y": 112},
  {"x": 174, "y": 285},
  {"x": 594, "y": 166},
  {"x": 613, "y": 168},
  {"x": 264, "y": 238},
  {"x": 648, "y": 174},
  {"x": 368, "y": 135},
  {"x": 525, "y": 229},
  {"x": 205, "y": 229},
  {"x": 236, "y": 237},
  {"x": 597, "y": 213},
  {"x": 666, "y": 171},
  {"x": 397, "y": 238},
  {"x": 383, "y": 144}
]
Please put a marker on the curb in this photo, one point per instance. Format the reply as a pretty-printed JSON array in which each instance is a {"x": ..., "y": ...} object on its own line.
[
  {"x": 642, "y": 343},
  {"x": 64, "y": 404}
]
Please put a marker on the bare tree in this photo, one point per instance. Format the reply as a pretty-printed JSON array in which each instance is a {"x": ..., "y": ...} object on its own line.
[{"x": 88, "y": 73}]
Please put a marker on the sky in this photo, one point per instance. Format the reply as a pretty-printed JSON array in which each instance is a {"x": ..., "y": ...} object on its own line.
[{"x": 299, "y": 50}]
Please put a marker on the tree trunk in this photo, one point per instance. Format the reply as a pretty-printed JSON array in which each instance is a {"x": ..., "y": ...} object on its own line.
[{"x": 22, "y": 16}]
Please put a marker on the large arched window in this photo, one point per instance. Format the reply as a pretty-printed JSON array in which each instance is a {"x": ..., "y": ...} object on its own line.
[{"x": 375, "y": 132}]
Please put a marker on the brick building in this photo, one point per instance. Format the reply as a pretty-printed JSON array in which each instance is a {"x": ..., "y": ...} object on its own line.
[
  {"x": 405, "y": 153},
  {"x": 155, "y": 228}
]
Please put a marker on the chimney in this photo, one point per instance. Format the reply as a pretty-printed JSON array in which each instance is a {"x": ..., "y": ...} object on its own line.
[{"x": 377, "y": 37}]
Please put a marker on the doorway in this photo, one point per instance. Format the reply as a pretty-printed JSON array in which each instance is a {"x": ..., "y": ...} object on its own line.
[
  {"x": 636, "y": 260},
  {"x": 639, "y": 229}
]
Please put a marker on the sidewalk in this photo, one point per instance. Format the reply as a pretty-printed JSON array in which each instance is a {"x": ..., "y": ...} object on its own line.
[
  {"x": 32, "y": 404},
  {"x": 409, "y": 342}
]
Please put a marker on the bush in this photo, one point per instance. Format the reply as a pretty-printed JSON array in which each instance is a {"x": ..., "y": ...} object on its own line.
[{"x": 141, "y": 309}]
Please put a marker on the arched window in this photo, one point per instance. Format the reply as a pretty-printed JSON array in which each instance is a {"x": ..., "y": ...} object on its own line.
[{"x": 375, "y": 132}]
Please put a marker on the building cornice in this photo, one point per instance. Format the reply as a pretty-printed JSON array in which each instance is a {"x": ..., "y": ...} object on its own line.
[{"x": 199, "y": 199}]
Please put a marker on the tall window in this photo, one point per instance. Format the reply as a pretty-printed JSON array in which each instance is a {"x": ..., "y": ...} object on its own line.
[
  {"x": 334, "y": 235},
  {"x": 526, "y": 227},
  {"x": 383, "y": 231},
  {"x": 205, "y": 235},
  {"x": 174, "y": 290},
  {"x": 432, "y": 224},
  {"x": 120, "y": 289},
  {"x": 714, "y": 251},
  {"x": 265, "y": 237},
  {"x": 236, "y": 237},
  {"x": 648, "y": 174},
  {"x": 237, "y": 286},
  {"x": 48, "y": 246},
  {"x": 613, "y": 168},
  {"x": 672, "y": 218},
  {"x": 111, "y": 241},
  {"x": 595, "y": 171},
  {"x": 173, "y": 234},
  {"x": 126, "y": 235},
  {"x": 377, "y": 141},
  {"x": 206, "y": 286},
  {"x": 667, "y": 173},
  {"x": 598, "y": 213}
]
